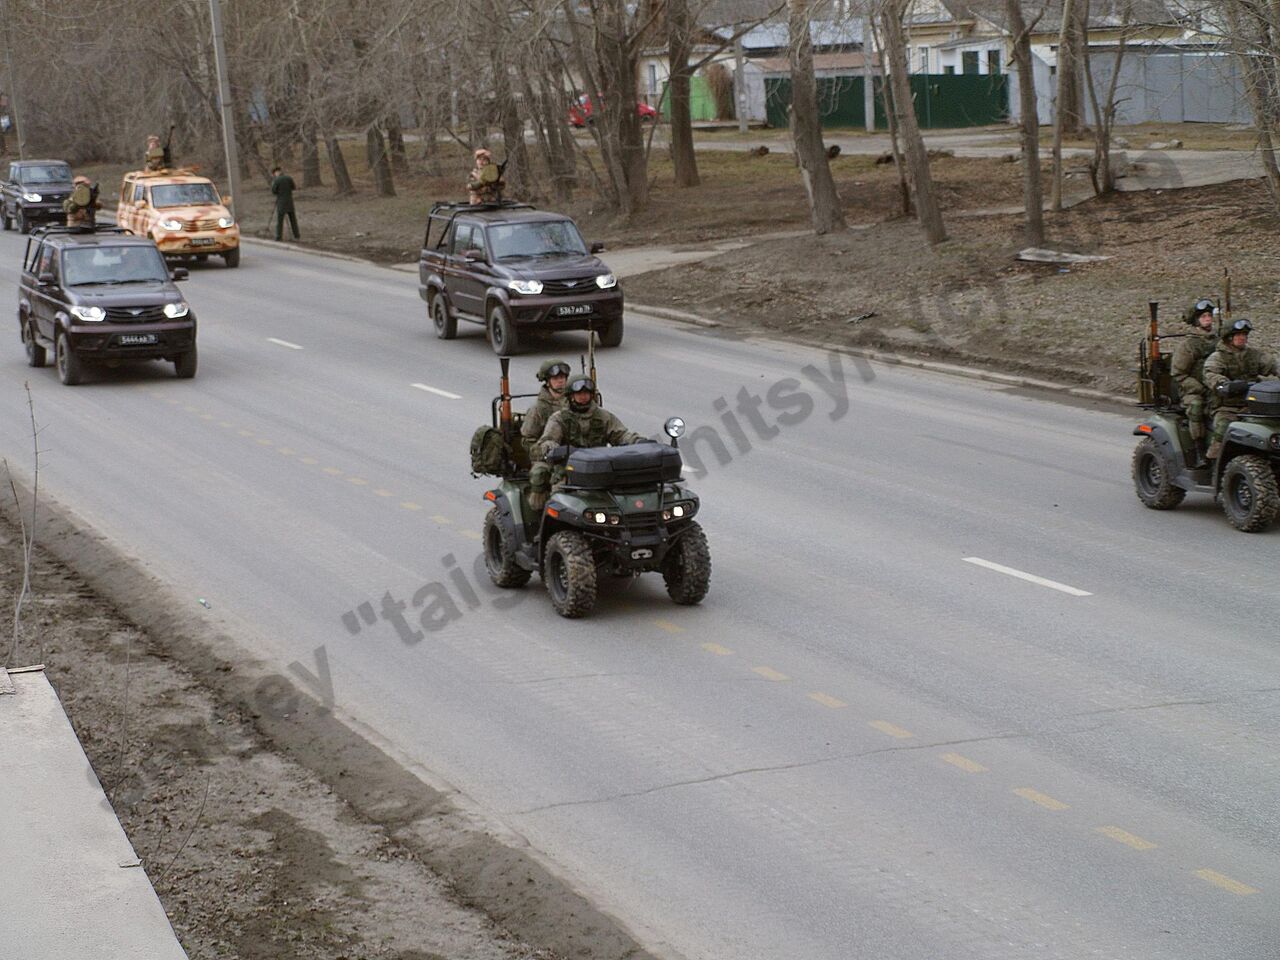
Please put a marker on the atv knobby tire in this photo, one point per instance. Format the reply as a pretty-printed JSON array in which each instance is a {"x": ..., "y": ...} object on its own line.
[
  {"x": 686, "y": 569},
  {"x": 1250, "y": 498},
  {"x": 569, "y": 572},
  {"x": 500, "y": 554},
  {"x": 1151, "y": 480}
]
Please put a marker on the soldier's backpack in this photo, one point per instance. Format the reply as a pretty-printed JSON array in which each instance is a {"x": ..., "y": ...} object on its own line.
[
  {"x": 489, "y": 173},
  {"x": 489, "y": 453},
  {"x": 82, "y": 196}
]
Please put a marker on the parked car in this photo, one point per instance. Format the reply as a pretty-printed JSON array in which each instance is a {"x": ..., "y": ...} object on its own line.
[
  {"x": 580, "y": 113},
  {"x": 33, "y": 192},
  {"x": 514, "y": 269},
  {"x": 98, "y": 295},
  {"x": 182, "y": 212}
]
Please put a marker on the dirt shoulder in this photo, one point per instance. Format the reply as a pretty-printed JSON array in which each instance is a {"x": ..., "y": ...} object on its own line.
[{"x": 269, "y": 833}]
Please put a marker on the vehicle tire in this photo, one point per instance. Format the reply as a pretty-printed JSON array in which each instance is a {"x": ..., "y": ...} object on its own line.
[
  {"x": 24, "y": 225},
  {"x": 500, "y": 554},
  {"x": 502, "y": 332},
  {"x": 569, "y": 572},
  {"x": 611, "y": 335},
  {"x": 686, "y": 569},
  {"x": 1151, "y": 480},
  {"x": 1250, "y": 497},
  {"x": 5, "y": 220},
  {"x": 232, "y": 257},
  {"x": 185, "y": 366},
  {"x": 70, "y": 366},
  {"x": 35, "y": 353},
  {"x": 446, "y": 326}
]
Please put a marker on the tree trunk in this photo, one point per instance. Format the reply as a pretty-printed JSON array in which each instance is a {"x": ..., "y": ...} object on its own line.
[
  {"x": 379, "y": 162},
  {"x": 927, "y": 211},
  {"x": 825, "y": 207},
  {"x": 1104, "y": 113},
  {"x": 310, "y": 159},
  {"x": 516, "y": 173},
  {"x": 683, "y": 159},
  {"x": 1032, "y": 194},
  {"x": 1070, "y": 105},
  {"x": 895, "y": 144},
  {"x": 342, "y": 185},
  {"x": 395, "y": 140},
  {"x": 1066, "y": 71},
  {"x": 1255, "y": 43}
]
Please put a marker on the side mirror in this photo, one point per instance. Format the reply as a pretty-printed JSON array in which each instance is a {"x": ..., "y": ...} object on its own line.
[
  {"x": 472, "y": 255},
  {"x": 597, "y": 247},
  {"x": 45, "y": 279},
  {"x": 226, "y": 201},
  {"x": 180, "y": 273}
]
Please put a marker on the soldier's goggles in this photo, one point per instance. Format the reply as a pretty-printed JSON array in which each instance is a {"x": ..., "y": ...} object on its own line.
[
  {"x": 558, "y": 370},
  {"x": 581, "y": 384}
]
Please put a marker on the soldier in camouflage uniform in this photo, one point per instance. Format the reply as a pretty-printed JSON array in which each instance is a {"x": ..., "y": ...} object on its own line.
[
  {"x": 155, "y": 154},
  {"x": 1188, "y": 369},
  {"x": 554, "y": 375},
  {"x": 484, "y": 185},
  {"x": 83, "y": 205},
  {"x": 584, "y": 423},
  {"x": 1228, "y": 373}
]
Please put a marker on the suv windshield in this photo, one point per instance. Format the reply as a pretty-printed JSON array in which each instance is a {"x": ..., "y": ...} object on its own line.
[
  {"x": 45, "y": 173},
  {"x": 131, "y": 264},
  {"x": 184, "y": 195},
  {"x": 545, "y": 238}
]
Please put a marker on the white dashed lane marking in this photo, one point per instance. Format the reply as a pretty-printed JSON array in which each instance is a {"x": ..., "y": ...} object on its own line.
[
  {"x": 437, "y": 391},
  {"x": 1029, "y": 577},
  {"x": 283, "y": 343}
]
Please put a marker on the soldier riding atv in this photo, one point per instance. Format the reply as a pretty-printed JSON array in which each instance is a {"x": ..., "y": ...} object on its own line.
[
  {"x": 619, "y": 511},
  {"x": 1244, "y": 470}
]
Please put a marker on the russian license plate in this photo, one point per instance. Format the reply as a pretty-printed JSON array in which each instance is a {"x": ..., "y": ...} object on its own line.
[
  {"x": 573, "y": 310},
  {"x": 202, "y": 241},
  {"x": 136, "y": 339}
]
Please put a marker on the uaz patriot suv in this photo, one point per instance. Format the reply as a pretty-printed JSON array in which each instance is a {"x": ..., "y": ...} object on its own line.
[
  {"x": 101, "y": 296},
  {"x": 33, "y": 193}
]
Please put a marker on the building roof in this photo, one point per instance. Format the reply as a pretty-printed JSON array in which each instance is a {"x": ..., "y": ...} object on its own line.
[
  {"x": 774, "y": 35},
  {"x": 1103, "y": 14},
  {"x": 851, "y": 62}
]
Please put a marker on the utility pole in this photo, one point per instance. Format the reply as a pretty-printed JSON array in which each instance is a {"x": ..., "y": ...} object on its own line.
[
  {"x": 19, "y": 129},
  {"x": 868, "y": 77},
  {"x": 225, "y": 105}
]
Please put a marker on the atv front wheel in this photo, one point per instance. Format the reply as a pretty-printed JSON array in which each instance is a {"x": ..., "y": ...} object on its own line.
[
  {"x": 1151, "y": 480},
  {"x": 686, "y": 569},
  {"x": 569, "y": 571},
  {"x": 500, "y": 554},
  {"x": 1250, "y": 498}
]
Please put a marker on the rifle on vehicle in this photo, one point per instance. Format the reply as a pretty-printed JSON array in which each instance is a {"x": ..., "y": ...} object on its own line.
[
  {"x": 1224, "y": 314},
  {"x": 1149, "y": 358},
  {"x": 168, "y": 148}
]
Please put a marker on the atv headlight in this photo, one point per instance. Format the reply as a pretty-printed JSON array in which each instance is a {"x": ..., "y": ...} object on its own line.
[
  {"x": 674, "y": 428},
  {"x": 530, "y": 288},
  {"x": 606, "y": 281},
  {"x": 177, "y": 310},
  {"x": 89, "y": 314},
  {"x": 225, "y": 222},
  {"x": 170, "y": 225},
  {"x": 1274, "y": 441},
  {"x": 32, "y": 197}
]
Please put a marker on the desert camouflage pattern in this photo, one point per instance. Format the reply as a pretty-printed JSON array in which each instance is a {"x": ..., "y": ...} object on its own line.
[{"x": 199, "y": 231}]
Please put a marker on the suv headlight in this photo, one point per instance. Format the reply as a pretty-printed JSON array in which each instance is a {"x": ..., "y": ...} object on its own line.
[
  {"x": 528, "y": 287},
  {"x": 606, "y": 281},
  {"x": 226, "y": 222},
  {"x": 32, "y": 197},
  {"x": 170, "y": 225},
  {"x": 176, "y": 311},
  {"x": 89, "y": 314}
]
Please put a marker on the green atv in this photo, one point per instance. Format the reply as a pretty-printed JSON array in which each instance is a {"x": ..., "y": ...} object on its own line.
[
  {"x": 620, "y": 511},
  {"x": 1245, "y": 476}
]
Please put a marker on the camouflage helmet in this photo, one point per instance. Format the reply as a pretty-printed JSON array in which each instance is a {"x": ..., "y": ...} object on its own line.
[
  {"x": 1240, "y": 326},
  {"x": 1194, "y": 312},
  {"x": 553, "y": 368},
  {"x": 581, "y": 385}
]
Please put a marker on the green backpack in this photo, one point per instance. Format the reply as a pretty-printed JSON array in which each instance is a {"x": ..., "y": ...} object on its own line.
[{"x": 489, "y": 453}]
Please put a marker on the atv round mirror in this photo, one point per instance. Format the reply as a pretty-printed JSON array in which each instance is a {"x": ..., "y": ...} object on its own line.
[{"x": 674, "y": 428}]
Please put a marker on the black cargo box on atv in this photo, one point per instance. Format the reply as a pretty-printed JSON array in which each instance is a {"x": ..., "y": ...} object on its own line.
[
  {"x": 1264, "y": 399},
  {"x": 614, "y": 468}
]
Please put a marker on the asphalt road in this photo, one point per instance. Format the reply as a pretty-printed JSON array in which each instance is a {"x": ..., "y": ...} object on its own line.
[{"x": 866, "y": 742}]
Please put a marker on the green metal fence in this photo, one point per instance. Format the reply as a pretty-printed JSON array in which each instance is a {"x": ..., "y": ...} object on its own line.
[
  {"x": 702, "y": 105},
  {"x": 942, "y": 100}
]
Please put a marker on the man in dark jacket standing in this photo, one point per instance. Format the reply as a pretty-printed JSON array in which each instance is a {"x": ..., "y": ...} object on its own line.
[{"x": 282, "y": 186}]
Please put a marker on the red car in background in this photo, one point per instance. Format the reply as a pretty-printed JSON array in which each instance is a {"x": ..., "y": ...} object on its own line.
[{"x": 580, "y": 112}]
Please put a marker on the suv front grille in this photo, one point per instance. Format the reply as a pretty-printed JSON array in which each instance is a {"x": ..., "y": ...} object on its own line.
[
  {"x": 135, "y": 314},
  {"x": 570, "y": 287},
  {"x": 194, "y": 225}
]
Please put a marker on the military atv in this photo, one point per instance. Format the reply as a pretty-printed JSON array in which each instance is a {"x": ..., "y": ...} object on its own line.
[
  {"x": 620, "y": 511},
  {"x": 1245, "y": 476}
]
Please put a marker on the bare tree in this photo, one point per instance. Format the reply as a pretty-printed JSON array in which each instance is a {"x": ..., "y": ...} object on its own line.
[
  {"x": 1101, "y": 171},
  {"x": 806, "y": 126},
  {"x": 1254, "y": 32},
  {"x": 1064, "y": 120},
  {"x": 1029, "y": 125}
]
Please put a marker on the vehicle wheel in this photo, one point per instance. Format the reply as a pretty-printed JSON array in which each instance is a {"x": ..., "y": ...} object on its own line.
[
  {"x": 446, "y": 326},
  {"x": 686, "y": 569},
  {"x": 5, "y": 220},
  {"x": 611, "y": 335},
  {"x": 500, "y": 554},
  {"x": 1250, "y": 498},
  {"x": 35, "y": 352},
  {"x": 185, "y": 365},
  {"x": 24, "y": 226},
  {"x": 502, "y": 332},
  {"x": 1151, "y": 480},
  {"x": 569, "y": 571},
  {"x": 70, "y": 366},
  {"x": 232, "y": 257}
]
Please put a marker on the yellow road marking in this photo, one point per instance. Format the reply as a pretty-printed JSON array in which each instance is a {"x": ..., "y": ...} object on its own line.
[
  {"x": 225, "y": 423},
  {"x": 333, "y": 471},
  {"x": 770, "y": 674},
  {"x": 964, "y": 763},
  {"x": 206, "y": 416},
  {"x": 884, "y": 726},
  {"x": 410, "y": 505},
  {"x": 1046, "y": 801},
  {"x": 245, "y": 433},
  {"x": 472, "y": 535},
  {"x": 1127, "y": 838},
  {"x": 265, "y": 442},
  {"x": 358, "y": 481},
  {"x": 668, "y": 626},
  {"x": 173, "y": 401},
  {"x": 439, "y": 519},
  {"x": 287, "y": 451},
  {"x": 1226, "y": 883},
  {"x": 190, "y": 409},
  {"x": 718, "y": 650},
  {"x": 383, "y": 493},
  {"x": 309, "y": 461},
  {"x": 827, "y": 700}
]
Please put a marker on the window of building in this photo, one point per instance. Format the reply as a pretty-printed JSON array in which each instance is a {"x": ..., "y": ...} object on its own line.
[
  {"x": 969, "y": 61},
  {"x": 993, "y": 61},
  {"x": 949, "y": 69},
  {"x": 653, "y": 79},
  {"x": 924, "y": 59}
]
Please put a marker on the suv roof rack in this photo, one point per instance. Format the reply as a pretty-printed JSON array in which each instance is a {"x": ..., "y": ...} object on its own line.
[
  {"x": 459, "y": 206},
  {"x": 78, "y": 228},
  {"x": 190, "y": 171}
]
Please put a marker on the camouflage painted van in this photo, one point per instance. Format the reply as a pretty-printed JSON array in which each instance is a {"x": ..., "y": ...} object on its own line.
[{"x": 181, "y": 211}]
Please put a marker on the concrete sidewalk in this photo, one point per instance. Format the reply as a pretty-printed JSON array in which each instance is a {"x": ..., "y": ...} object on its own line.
[{"x": 71, "y": 885}]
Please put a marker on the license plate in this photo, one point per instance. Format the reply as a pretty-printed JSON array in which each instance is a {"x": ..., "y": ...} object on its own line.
[
  {"x": 202, "y": 241},
  {"x": 573, "y": 310},
  {"x": 136, "y": 339}
]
